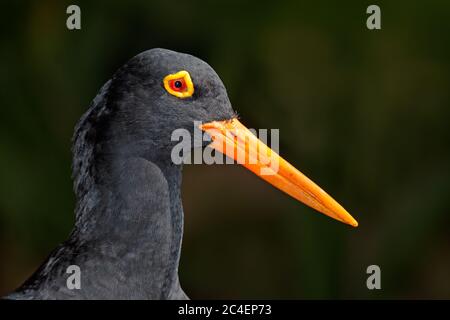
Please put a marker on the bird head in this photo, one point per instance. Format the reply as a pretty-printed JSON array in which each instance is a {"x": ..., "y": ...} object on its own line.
[{"x": 159, "y": 91}]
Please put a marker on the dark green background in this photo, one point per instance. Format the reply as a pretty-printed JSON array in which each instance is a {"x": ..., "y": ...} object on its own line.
[{"x": 363, "y": 113}]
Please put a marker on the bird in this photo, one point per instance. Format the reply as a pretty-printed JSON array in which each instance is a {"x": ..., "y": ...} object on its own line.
[{"x": 127, "y": 236}]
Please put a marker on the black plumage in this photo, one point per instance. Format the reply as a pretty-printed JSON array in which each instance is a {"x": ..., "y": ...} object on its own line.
[{"x": 129, "y": 216}]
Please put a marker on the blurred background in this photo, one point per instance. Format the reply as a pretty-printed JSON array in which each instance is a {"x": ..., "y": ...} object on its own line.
[{"x": 363, "y": 113}]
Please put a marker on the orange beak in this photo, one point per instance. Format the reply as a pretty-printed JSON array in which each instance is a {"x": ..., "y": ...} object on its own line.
[{"x": 233, "y": 139}]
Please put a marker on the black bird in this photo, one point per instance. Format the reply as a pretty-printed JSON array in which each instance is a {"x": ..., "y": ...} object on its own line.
[{"x": 129, "y": 217}]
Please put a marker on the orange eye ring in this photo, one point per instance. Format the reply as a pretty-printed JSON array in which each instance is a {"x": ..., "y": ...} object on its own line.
[{"x": 179, "y": 84}]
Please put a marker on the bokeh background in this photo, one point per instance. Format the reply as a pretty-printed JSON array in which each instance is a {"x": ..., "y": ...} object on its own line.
[{"x": 363, "y": 113}]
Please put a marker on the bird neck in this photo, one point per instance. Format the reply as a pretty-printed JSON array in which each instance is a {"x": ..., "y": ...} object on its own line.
[
  {"x": 133, "y": 213},
  {"x": 118, "y": 215}
]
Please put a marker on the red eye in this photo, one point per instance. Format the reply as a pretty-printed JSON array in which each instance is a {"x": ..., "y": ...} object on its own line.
[{"x": 178, "y": 85}]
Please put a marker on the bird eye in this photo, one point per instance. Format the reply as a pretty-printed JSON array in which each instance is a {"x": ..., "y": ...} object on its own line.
[{"x": 179, "y": 84}]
